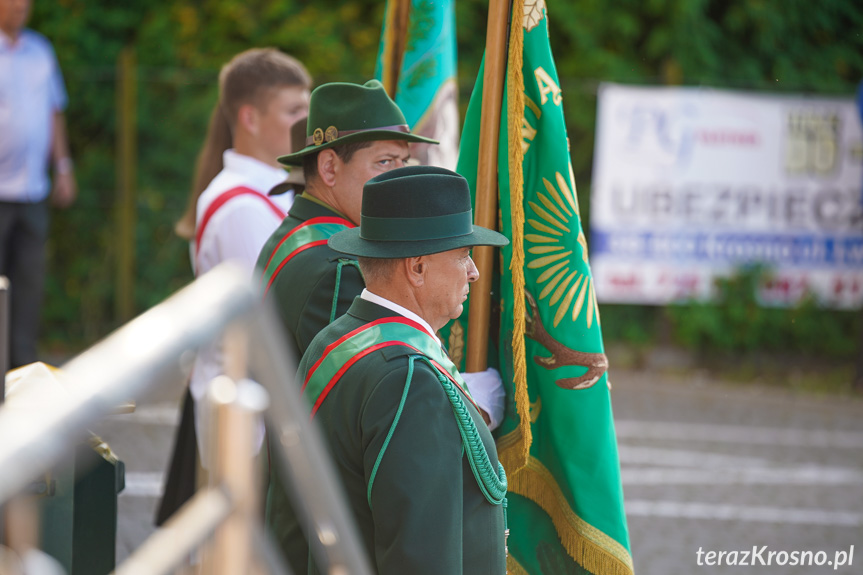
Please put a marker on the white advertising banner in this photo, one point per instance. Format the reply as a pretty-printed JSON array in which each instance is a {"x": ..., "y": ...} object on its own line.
[{"x": 690, "y": 184}]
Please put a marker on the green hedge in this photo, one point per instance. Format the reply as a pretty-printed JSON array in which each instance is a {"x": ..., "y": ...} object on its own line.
[
  {"x": 737, "y": 324},
  {"x": 777, "y": 45}
]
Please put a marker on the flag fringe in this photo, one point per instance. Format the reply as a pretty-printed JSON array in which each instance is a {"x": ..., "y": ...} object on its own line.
[
  {"x": 517, "y": 456},
  {"x": 587, "y": 545},
  {"x": 513, "y": 567},
  {"x": 527, "y": 476}
]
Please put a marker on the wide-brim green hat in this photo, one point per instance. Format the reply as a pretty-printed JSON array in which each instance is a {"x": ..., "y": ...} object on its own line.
[
  {"x": 414, "y": 211},
  {"x": 341, "y": 113}
]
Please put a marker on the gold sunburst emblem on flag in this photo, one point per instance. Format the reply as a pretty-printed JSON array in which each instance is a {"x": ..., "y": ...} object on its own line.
[{"x": 565, "y": 280}]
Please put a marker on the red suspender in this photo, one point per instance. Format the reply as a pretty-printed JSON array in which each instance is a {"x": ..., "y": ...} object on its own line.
[{"x": 224, "y": 198}]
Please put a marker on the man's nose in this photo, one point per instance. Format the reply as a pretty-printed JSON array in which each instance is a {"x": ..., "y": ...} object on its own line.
[{"x": 472, "y": 272}]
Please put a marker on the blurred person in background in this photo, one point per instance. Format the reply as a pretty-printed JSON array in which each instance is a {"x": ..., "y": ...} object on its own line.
[
  {"x": 262, "y": 92},
  {"x": 32, "y": 140}
]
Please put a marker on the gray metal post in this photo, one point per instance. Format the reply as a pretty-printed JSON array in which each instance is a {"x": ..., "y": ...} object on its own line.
[
  {"x": 4, "y": 367},
  {"x": 858, "y": 381},
  {"x": 4, "y": 334}
]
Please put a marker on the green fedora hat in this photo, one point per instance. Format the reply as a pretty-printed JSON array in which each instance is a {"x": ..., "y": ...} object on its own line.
[
  {"x": 341, "y": 113},
  {"x": 414, "y": 211}
]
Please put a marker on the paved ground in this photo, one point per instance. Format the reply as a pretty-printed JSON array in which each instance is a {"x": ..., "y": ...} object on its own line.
[
  {"x": 717, "y": 467},
  {"x": 706, "y": 465}
]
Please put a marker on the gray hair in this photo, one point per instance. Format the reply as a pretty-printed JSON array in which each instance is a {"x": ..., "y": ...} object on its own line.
[{"x": 377, "y": 269}]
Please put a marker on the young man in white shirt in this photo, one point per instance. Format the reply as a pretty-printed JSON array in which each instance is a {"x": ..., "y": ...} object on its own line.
[{"x": 262, "y": 92}]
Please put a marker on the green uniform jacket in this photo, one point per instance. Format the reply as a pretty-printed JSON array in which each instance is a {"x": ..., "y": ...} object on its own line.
[
  {"x": 303, "y": 290},
  {"x": 427, "y": 513},
  {"x": 303, "y": 293}
]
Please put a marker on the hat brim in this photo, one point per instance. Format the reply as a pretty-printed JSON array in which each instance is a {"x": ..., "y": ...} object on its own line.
[
  {"x": 287, "y": 186},
  {"x": 349, "y": 242},
  {"x": 296, "y": 159}
]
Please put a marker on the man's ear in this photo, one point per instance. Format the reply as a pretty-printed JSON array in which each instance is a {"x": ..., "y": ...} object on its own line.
[
  {"x": 248, "y": 118},
  {"x": 416, "y": 269},
  {"x": 329, "y": 165}
]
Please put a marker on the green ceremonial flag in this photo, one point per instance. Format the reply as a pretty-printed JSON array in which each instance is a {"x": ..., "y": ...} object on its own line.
[
  {"x": 417, "y": 66},
  {"x": 565, "y": 511}
]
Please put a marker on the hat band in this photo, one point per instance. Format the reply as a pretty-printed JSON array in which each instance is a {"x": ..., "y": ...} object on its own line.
[
  {"x": 416, "y": 229},
  {"x": 319, "y": 136}
]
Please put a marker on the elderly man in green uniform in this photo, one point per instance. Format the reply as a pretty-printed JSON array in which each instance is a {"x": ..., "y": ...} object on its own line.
[
  {"x": 418, "y": 463},
  {"x": 354, "y": 132}
]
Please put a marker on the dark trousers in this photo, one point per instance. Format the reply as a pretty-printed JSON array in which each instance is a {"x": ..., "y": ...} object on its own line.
[
  {"x": 181, "y": 482},
  {"x": 23, "y": 233}
]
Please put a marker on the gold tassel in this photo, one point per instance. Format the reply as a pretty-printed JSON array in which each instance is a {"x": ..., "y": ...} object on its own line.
[
  {"x": 527, "y": 477},
  {"x": 587, "y": 545},
  {"x": 515, "y": 457},
  {"x": 513, "y": 567}
]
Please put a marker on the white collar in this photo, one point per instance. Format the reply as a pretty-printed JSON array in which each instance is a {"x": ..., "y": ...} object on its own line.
[
  {"x": 384, "y": 302},
  {"x": 265, "y": 175}
]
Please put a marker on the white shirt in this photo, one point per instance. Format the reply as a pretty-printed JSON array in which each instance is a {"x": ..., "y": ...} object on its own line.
[
  {"x": 31, "y": 92},
  {"x": 237, "y": 231}
]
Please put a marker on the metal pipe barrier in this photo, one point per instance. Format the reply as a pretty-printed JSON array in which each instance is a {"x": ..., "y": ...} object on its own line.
[
  {"x": 4, "y": 334},
  {"x": 316, "y": 492},
  {"x": 139, "y": 355},
  {"x": 188, "y": 529},
  {"x": 4, "y": 367}
]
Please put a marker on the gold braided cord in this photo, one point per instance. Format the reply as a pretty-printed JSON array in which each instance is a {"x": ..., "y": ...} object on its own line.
[
  {"x": 515, "y": 457},
  {"x": 587, "y": 545}
]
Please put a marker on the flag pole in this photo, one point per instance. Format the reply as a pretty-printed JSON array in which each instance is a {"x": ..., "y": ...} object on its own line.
[
  {"x": 486, "y": 181},
  {"x": 396, "y": 21}
]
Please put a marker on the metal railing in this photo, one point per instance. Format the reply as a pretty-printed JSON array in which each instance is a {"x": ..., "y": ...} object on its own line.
[{"x": 144, "y": 352}]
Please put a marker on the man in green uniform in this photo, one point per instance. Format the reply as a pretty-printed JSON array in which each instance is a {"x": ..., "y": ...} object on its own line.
[
  {"x": 353, "y": 132},
  {"x": 417, "y": 462}
]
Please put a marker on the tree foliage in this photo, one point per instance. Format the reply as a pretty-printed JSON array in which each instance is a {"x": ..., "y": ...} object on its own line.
[{"x": 787, "y": 45}]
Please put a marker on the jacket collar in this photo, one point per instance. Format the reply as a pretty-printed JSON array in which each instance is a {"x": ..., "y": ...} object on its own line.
[
  {"x": 305, "y": 208},
  {"x": 400, "y": 310},
  {"x": 367, "y": 311}
]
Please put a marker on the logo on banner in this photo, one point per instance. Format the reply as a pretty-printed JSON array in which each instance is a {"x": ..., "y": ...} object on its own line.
[
  {"x": 674, "y": 135},
  {"x": 660, "y": 133},
  {"x": 812, "y": 143}
]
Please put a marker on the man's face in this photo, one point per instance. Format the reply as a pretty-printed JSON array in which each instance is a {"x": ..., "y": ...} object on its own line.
[
  {"x": 13, "y": 15},
  {"x": 446, "y": 286},
  {"x": 382, "y": 156},
  {"x": 282, "y": 107}
]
